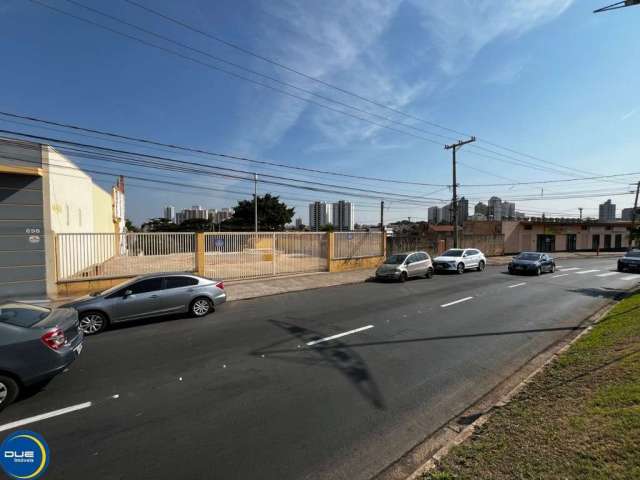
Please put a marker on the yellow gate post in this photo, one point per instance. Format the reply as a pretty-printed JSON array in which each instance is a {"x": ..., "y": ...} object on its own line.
[
  {"x": 329, "y": 251},
  {"x": 200, "y": 253}
]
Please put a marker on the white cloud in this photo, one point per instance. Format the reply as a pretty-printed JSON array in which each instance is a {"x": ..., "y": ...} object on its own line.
[
  {"x": 630, "y": 114},
  {"x": 461, "y": 29}
]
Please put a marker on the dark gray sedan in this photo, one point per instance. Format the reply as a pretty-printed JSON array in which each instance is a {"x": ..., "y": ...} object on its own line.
[
  {"x": 148, "y": 296},
  {"x": 36, "y": 343},
  {"x": 532, "y": 262}
]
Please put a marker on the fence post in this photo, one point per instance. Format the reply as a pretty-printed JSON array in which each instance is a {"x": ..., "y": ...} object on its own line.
[
  {"x": 116, "y": 244},
  {"x": 273, "y": 254},
  {"x": 329, "y": 250},
  {"x": 200, "y": 253}
]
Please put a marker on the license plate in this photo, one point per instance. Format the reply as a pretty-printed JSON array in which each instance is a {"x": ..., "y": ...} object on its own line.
[{"x": 78, "y": 349}]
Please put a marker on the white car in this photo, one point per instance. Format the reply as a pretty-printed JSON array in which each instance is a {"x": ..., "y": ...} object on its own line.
[{"x": 459, "y": 260}]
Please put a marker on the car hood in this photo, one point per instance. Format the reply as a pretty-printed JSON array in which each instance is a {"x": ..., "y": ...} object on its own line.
[
  {"x": 387, "y": 267},
  {"x": 447, "y": 259},
  {"x": 525, "y": 262}
]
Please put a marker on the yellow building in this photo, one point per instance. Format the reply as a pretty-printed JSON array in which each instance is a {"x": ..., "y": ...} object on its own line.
[{"x": 43, "y": 193}]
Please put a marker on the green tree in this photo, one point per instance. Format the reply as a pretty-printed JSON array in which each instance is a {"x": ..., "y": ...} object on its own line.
[
  {"x": 128, "y": 224},
  {"x": 159, "y": 225},
  {"x": 327, "y": 227},
  {"x": 197, "y": 225},
  {"x": 273, "y": 215}
]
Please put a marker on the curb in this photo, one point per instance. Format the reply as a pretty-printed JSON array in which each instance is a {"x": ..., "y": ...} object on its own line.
[{"x": 423, "y": 457}]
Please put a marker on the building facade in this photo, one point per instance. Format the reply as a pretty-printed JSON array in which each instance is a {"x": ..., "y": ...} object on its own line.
[
  {"x": 434, "y": 215},
  {"x": 627, "y": 214},
  {"x": 494, "y": 208},
  {"x": 607, "y": 211},
  {"x": 44, "y": 193},
  {"x": 319, "y": 215},
  {"x": 480, "y": 209},
  {"x": 343, "y": 215},
  {"x": 169, "y": 213}
]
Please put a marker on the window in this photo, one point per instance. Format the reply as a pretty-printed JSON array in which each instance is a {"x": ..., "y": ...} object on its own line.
[
  {"x": 178, "y": 282},
  {"x": 22, "y": 315},
  {"x": 148, "y": 285}
]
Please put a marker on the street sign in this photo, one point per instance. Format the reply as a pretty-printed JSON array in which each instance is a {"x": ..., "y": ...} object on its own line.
[{"x": 218, "y": 242}]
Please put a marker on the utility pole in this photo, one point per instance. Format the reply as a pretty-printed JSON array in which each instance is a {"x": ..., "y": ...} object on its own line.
[
  {"x": 633, "y": 215},
  {"x": 382, "y": 215},
  {"x": 454, "y": 202},
  {"x": 580, "y": 208},
  {"x": 255, "y": 201},
  {"x": 615, "y": 6}
]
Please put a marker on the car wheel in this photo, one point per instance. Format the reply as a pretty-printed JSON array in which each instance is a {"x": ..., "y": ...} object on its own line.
[
  {"x": 553, "y": 268},
  {"x": 8, "y": 391},
  {"x": 481, "y": 266},
  {"x": 460, "y": 268},
  {"x": 429, "y": 273},
  {"x": 620, "y": 268},
  {"x": 92, "y": 323},
  {"x": 538, "y": 271},
  {"x": 403, "y": 277},
  {"x": 200, "y": 307}
]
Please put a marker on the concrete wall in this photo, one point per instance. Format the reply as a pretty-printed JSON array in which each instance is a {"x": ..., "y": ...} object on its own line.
[
  {"x": 349, "y": 264},
  {"x": 102, "y": 211}
]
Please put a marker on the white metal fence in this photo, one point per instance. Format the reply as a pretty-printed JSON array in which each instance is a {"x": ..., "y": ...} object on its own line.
[
  {"x": 357, "y": 244},
  {"x": 250, "y": 255},
  {"x": 83, "y": 256}
]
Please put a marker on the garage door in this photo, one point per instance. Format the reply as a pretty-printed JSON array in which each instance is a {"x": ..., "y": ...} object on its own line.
[{"x": 22, "y": 241}]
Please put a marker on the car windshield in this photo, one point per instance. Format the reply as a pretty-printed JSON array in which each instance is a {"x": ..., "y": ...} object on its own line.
[
  {"x": 528, "y": 256},
  {"x": 395, "y": 259},
  {"x": 22, "y": 314},
  {"x": 454, "y": 252},
  {"x": 634, "y": 253}
]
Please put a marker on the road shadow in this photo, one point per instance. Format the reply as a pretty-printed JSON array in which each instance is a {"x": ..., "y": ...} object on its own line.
[
  {"x": 339, "y": 357},
  {"x": 601, "y": 292},
  {"x": 330, "y": 345}
]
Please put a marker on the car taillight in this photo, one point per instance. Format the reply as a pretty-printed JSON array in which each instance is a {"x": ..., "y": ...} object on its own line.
[
  {"x": 220, "y": 285},
  {"x": 54, "y": 339}
]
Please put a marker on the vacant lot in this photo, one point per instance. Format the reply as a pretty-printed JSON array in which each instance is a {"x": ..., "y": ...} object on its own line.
[{"x": 580, "y": 418}]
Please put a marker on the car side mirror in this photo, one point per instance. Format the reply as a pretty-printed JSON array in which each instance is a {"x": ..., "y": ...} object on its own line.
[{"x": 127, "y": 293}]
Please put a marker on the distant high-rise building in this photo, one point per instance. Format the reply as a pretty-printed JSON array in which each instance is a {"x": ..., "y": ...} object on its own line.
[
  {"x": 343, "y": 214},
  {"x": 194, "y": 213},
  {"x": 508, "y": 210},
  {"x": 446, "y": 213},
  {"x": 463, "y": 210},
  {"x": 434, "y": 215},
  {"x": 494, "y": 208},
  {"x": 480, "y": 209},
  {"x": 607, "y": 211},
  {"x": 319, "y": 215},
  {"x": 299, "y": 222},
  {"x": 169, "y": 212},
  {"x": 627, "y": 214}
]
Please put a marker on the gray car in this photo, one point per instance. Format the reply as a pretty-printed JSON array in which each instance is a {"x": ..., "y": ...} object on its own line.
[
  {"x": 148, "y": 296},
  {"x": 402, "y": 266},
  {"x": 36, "y": 344}
]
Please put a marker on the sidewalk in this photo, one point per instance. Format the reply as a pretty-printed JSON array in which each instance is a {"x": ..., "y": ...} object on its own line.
[
  {"x": 240, "y": 290},
  {"x": 243, "y": 289}
]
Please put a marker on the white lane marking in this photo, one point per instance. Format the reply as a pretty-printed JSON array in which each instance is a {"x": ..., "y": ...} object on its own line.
[
  {"x": 326, "y": 339},
  {"x": 561, "y": 275},
  {"x": 559, "y": 266},
  {"x": 586, "y": 271},
  {"x": 608, "y": 274},
  {"x": 457, "y": 301},
  {"x": 632, "y": 277},
  {"x": 44, "y": 416},
  {"x": 569, "y": 269},
  {"x": 517, "y": 285}
]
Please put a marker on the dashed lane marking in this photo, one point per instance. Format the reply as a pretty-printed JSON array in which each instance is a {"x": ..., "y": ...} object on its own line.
[
  {"x": 457, "y": 301},
  {"x": 332, "y": 337}
]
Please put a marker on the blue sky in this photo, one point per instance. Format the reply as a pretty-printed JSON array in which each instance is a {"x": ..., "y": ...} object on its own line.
[{"x": 544, "y": 77}]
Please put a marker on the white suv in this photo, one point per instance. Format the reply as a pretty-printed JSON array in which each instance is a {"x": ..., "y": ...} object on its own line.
[{"x": 459, "y": 260}]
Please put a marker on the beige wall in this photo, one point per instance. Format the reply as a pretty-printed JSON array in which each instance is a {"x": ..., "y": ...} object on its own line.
[{"x": 102, "y": 211}]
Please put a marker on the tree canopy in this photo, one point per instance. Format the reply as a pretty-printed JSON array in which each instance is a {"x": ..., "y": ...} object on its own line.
[{"x": 273, "y": 215}]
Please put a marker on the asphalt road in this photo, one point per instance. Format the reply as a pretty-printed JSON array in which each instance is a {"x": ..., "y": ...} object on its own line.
[{"x": 240, "y": 395}]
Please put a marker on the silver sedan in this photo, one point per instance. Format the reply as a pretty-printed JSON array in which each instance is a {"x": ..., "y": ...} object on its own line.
[{"x": 148, "y": 296}]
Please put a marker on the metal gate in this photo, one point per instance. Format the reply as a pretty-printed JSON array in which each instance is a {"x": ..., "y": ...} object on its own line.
[{"x": 22, "y": 240}]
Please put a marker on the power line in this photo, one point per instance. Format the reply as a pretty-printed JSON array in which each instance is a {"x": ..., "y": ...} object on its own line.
[
  {"x": 519, "y": 162},
  {"x": 332, "y": 86}
]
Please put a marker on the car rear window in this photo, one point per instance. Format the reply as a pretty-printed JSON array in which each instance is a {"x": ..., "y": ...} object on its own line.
[
  {"x": 22, "y": 315},
  {"x": 177, "y": 282}
]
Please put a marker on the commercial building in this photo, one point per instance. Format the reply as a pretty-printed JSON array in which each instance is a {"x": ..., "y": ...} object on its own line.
[
  {"x": 319, "y": 215},
  {"x": 44, "y": 193},
  {"x": 434, "y": 215},
  {"x": 607, "y": 211},
  {"x": 169, "y": 212},
  {"x": 343, "y": 214},
  {"x": 627, "y": 214},
  {"x": 561, "y": 236}
]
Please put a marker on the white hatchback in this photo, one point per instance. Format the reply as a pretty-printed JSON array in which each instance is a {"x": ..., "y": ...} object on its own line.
[{"x": 459, "y": 260}]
